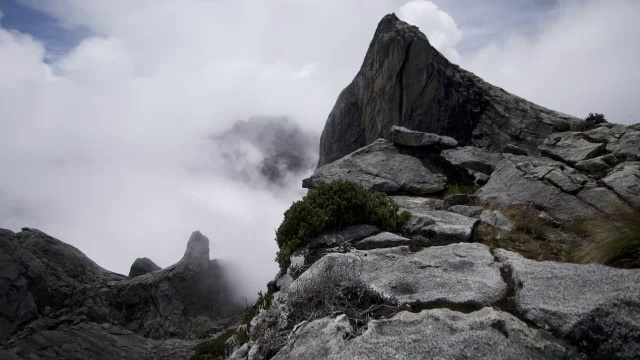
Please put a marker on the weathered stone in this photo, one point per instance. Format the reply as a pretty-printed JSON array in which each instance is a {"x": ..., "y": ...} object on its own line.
[
  {"x": 604, "y": 200},
  {"x": 404, "y": 81},
  {"x": 457, "y": 274},
  {"x": 472, "y": 159},
  {"x": 570, "y": 149},
  {"x": 54, "y": 297},
  {"x": 597, "y": 165},
  {"x": 560, "y": 179},
  {"x": 496, "y": 219},
  {"x": 194, "y": 281},
  {"x": 480, "y": 179},
  {"x": 403, "y": 136},
  {"x": 441, "y": 334},
  {"x": 381, "y": 167},
  {"x": 439, "y": 227},
  {"x": 520, "y": 181},
  {"x": 625, "y": 181},
  {"x": 142, "y": 266},
  {"x": 459, "y": 199},
  {"x": 470, "y": 211},
  {"x": 512, "y": 149},
  {"x": 93, "y": 341},
  {"x": 593, "y": 305},
  {"x": 627, "y": 146},
  {"x": 349, "y": 234},
  {"x": 382, "y": 240},
  {"x": 447, "y": 142}
]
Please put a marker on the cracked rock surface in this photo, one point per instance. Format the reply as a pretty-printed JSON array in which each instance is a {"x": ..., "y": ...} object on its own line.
[
  {"x": 457, "y": 274},
  {"x": 380, "y": 166},
  {"x": 593, "y": 305},
  {"x": 430, "y": 334}
]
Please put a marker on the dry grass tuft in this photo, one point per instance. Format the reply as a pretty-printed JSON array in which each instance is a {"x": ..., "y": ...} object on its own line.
[
  {"x": 610, "y": 239},
  {"x": 458, "y": 188},
  {"x": 534, "y": 237}
]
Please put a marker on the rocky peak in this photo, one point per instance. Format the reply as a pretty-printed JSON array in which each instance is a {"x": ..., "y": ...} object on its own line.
[
  {"x": 57, "y": 303},
  {"x": 197, "y": 253},
  {"x": 405, "y": 81},
  {"x": 142, "y": 266}
]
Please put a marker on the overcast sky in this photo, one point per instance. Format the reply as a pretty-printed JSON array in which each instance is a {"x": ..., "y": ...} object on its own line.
[{"x": 108, "y": 109}]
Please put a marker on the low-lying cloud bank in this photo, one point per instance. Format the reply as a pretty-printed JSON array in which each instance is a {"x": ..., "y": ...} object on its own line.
[{"x": 145, "y": 131}]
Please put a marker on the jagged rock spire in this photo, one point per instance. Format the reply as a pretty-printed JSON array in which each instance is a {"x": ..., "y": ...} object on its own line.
[{"x": 405, "y": 81}]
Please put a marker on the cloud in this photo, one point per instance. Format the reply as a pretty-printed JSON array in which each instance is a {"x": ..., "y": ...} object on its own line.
[
  {"x": 440, "y": 28},
  {"x": 268, "y": 150},
  {"x": 108, "y": 147},
  {"x": 583, "y": 60}
]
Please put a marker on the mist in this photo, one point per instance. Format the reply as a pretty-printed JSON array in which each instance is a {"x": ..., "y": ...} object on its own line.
[{"x": 168, "y": 117}]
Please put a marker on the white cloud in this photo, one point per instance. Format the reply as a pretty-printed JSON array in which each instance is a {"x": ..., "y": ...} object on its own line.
[
  {"x": 440, "y": 28},
  {"x": 107, "y": 147},
  {"x": 583, "y": 60}
]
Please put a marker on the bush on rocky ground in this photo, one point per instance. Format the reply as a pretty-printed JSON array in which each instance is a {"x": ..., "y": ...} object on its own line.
[
  {"x": 335, "y": 206},
  {"x": 339, "y": 290},
  {"x": 561, "y": 127},
  {"x": 595, "y": 118}
]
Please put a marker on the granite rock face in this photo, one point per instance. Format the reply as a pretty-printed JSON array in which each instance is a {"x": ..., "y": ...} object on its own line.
[
  {"x": 403, "y": 136},
  {"x": 594, "y": 305},
  {"x": 430, "y": 334},
  {"x": 58, "y": 303},
  {"x": 545, "y": 184},
  {"x": 404, "y": 81},
  {"x": 457, "y": 274},
  {"x": 437, "y": 226},
  {"x": 381, "y": 166}
]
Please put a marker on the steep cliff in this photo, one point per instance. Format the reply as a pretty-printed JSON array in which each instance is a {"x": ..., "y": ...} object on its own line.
[{"x": 405, "y": 81}]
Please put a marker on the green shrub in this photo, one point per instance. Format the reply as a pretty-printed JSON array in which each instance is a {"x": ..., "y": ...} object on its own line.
[
  {"x": 612, "y": 240},
  {"x": 334, "y": 206},
  {"x": 595, "y": 118},
  {"x": 561, "y": 126}
]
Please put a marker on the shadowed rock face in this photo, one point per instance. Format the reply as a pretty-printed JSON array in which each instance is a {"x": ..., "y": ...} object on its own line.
[
  {"x": 405, "y": 81},
  {"x": 142, "y": 266},
  {"x": 57, "y": 303}
]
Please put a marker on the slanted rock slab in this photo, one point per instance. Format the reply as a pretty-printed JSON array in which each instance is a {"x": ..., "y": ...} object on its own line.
[
  {"x": 593, "y": 305},
  {"x": 403, "y": 136},
  {"x": 458, "y": 274},
  {"x": 441, "y": 334},
  {"x": 537, "y": 182},
  {"x": 381, "y": 167},
  {"x": 625, "y": 181},
  {"x": 472, "y": 159},
  {"x": 439, "y": 227},
  {"x": 382, "y": 240},
  {"x": 571, "y": 148}
]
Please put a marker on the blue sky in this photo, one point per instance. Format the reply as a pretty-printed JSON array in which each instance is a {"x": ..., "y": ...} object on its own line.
[
  {"x": 57, "y": 39},
  {"x": 481, "y": 21}
]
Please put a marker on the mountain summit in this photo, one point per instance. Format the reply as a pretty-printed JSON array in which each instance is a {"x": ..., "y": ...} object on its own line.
[{"x": 405, "y": 81}]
